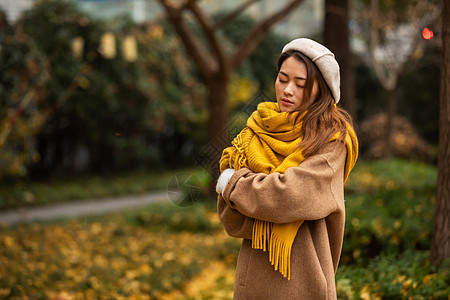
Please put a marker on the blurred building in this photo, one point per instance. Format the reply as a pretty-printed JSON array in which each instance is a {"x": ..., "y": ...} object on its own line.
[
  {"x": 138, "y": 10},
  {"x": 14, "y": 8},
  {"x": 305, "y": 21}
]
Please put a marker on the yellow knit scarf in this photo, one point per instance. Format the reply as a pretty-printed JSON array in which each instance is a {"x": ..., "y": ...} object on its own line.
[{"x": 268, "y": 144}]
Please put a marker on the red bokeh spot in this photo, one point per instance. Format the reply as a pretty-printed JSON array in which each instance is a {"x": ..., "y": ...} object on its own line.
[
  {"x": 427, "y": 34},
  {"x": 117, "y": 133}
]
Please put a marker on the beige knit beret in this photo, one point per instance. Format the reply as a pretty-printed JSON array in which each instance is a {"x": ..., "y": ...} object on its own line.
[{"x": 324, "y": 60}]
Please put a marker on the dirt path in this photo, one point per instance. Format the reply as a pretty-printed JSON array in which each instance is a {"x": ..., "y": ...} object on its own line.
[{"x": 79, "y": 208}]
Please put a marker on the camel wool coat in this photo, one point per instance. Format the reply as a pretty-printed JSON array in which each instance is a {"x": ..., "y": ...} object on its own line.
[{"x": 314, "y": 192}]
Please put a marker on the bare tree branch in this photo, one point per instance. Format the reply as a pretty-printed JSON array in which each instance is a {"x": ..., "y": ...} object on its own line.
[
  {"x": 234, "y": 13},
  {"x": 208, "y": 28},
  {"x": 390, "y": 65},
  {"x": 374, "y": 40},
  {"x": 257, "y": 34},
  {"x": 204, "y": 62}
]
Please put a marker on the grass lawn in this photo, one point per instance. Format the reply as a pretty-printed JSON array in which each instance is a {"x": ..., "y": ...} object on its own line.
[{"x": 170, "y": 252}]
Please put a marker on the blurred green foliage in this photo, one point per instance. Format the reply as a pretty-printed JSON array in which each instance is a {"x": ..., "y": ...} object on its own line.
[
  {"x": 390, "y": 207},
  {"x": 97, "y": 113},
  {"x": 389, "y": 210},
  {"x": 23, "y": 75},
  {"x": 406, "y": 275}
]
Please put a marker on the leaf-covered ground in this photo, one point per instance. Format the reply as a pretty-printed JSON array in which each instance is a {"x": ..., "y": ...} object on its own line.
[{"x": 164, "y": 252}]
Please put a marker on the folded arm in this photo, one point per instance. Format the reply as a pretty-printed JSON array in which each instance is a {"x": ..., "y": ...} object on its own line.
[
  {"x": 306, "y": 192},
  {"x": 236, "y": 224}
]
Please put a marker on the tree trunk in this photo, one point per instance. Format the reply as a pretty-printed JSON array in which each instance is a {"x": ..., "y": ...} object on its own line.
[
  {"x": 389, "y": 129},
  {"x": 218, "y": 121},
  {"x": 440, "y": 248},
  {"x": 337, "y": 39}
]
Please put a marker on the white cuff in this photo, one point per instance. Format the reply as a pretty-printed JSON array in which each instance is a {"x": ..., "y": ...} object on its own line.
[{"x": 223, "y": 180}]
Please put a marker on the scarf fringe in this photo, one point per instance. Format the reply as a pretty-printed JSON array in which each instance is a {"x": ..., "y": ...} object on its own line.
[
  {"x": 279, "y": 250},
  {"x": 280, "y": 255},
  {"x": 261, "y": 231},
  {"x": 238, "y": 159}
]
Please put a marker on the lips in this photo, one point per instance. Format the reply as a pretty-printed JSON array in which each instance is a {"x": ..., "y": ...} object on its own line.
[{"x": 286, "y": 101}]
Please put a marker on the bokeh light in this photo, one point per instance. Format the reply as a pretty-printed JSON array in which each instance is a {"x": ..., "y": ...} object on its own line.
[{"x": 427, "y": 33}]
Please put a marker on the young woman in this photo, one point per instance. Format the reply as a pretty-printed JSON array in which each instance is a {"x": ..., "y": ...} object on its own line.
[{"x": 282, "y": 182}]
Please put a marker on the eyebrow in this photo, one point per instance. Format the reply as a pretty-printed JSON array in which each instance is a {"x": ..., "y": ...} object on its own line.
[{"x": 301, "y": 78}]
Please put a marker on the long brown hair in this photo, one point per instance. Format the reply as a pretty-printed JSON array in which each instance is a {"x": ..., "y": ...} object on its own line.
[{"x": 323, "y": 119}]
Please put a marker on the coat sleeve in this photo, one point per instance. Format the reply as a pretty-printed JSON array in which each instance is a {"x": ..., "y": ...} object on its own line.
[
  {"x": 236, "y": 224},
  {"x": 311, "y": 191}
]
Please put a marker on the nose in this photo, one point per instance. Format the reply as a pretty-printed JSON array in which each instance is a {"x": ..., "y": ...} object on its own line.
[{"x": 288, "y": 91}]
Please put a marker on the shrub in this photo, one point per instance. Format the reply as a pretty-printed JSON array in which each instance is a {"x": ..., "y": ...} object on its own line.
[
  {"x": 395, "y": 276},
  {"x": 390, "y": 206}
]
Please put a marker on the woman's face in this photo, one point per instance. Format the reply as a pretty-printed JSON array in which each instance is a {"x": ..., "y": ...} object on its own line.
[{"x": 290, "y": 83}]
